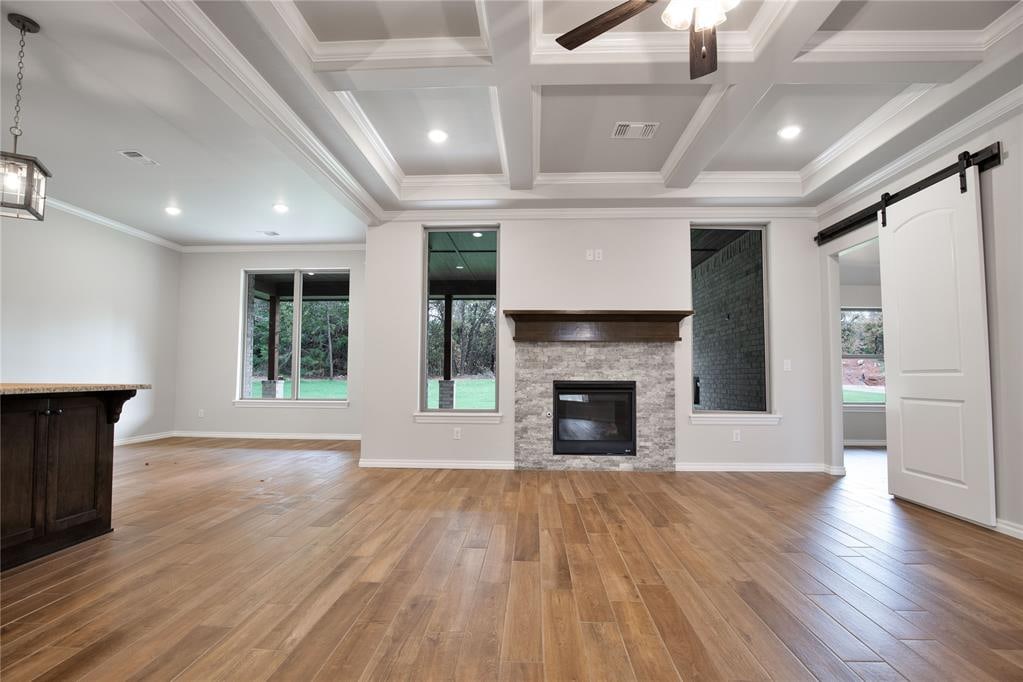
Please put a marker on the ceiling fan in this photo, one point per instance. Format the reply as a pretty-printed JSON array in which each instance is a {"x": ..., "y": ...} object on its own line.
[{"x": 700, "y": 17}]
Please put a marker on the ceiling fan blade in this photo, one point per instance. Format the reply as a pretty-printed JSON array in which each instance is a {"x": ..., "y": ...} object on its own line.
[
  {"x": 605, "y": 22},
  {"x": 703, "y": 52}
]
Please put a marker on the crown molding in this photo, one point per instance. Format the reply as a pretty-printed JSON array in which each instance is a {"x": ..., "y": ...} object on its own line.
[
  {"x": 600, "y": 178},
  {"x": 273, "y": 248},
  {"x": 692, "y": 130},
  {"x": 495, "y": 112},
  {"x": 112, "y": 224},
  {"x": 765, "y": 22},
  {"x": 882, "y": 43},
  {"x": 1008, "y": 104},
  {"x": 872, "y": 123},
  {"x": 722, "y": 214},
  {"x": 637, "y": 47},
  {"x": 365, "y": 126},
  {"x": 213, "y": 48},
  {"x": 481, "y": 181},
  {"x": 1003, "y": 25},
  {"x": 98, "y": 219},
  {"x": 388, "y": 52},
  {"x": 393, "y": 52}
]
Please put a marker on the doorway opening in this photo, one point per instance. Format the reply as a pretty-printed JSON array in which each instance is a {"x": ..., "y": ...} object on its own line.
[{"x": 861, "y": 316}]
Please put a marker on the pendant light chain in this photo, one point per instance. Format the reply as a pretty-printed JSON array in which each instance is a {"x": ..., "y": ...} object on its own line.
[{"x": 16, "y": 128}]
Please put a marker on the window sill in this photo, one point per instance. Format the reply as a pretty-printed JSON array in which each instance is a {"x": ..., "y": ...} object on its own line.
[
  {"x": 735, "y": 418},
  {"x": 863, "y": 407},
  {"x": 294, "y": 404},
  {"x": 455, "y": 417}
]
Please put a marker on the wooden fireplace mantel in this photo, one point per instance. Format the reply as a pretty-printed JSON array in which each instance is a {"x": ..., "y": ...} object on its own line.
[{"x": 597, "y": 325}]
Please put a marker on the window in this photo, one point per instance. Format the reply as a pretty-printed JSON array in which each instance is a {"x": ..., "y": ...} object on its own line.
[
  {"x": 285, "y": 310},
  {"x": 862, "y": 356},
  {"x": 729, "y": 320},
  {"x": 460, "y": 317}
]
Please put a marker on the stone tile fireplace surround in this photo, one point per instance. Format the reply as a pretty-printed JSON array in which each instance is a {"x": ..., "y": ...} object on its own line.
[{"x": 650, "y": 364}]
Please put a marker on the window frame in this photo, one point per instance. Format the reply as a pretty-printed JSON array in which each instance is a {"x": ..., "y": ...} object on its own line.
[
  {"x": 861, "y": 356},
  {"x": 767, "y": 415},
  {"x": 424, "y": 412},
  {"x": 296, "y": 342}
]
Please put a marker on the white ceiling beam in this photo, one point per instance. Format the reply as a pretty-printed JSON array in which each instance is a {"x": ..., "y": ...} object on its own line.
[
  {"x": 518, "y": 99},
  {"x": 339, "y": 80},
  {"x": 781, "y": 43}
]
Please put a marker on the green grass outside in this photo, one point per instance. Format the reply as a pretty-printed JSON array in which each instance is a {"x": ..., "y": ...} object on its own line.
[
  {"x": 311, "y": 389},
  {"x": 470, "y": 394},
  {"x": 852, "y": 395}
]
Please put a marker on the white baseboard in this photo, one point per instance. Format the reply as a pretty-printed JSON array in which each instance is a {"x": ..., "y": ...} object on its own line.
[
  {"x": 144, "y": 438},
  {"x": 235, "y": 435},
  {"x": 791, "y": 467},
  {"x": 1010, "y": 528},
  {"x": 854, "y": 443},
  {"x": 436, "y": 464}
]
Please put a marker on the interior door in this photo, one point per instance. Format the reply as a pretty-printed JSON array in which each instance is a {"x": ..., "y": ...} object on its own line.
[{"x": 940, "y": 442}]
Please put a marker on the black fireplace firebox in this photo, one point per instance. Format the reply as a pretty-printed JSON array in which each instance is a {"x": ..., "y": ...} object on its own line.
[{"x": 595, "y": 417}]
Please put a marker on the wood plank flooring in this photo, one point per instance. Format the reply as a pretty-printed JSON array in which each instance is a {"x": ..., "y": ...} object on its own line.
[{"x": 284, "y": 560}]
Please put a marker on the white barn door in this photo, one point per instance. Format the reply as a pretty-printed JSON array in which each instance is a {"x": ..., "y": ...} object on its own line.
[{"x": 940, "y": 442}]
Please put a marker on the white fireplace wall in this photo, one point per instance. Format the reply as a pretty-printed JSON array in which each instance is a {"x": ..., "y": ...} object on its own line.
[{"x": 645, "y": 265}]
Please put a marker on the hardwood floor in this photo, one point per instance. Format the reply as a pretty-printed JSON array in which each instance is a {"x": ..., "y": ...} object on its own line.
[{"x": 257, "y": 560}]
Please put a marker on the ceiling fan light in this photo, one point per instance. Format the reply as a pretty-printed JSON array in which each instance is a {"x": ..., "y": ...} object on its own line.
[
  {"x": 709, "y": 14},
  {"x": 678, "y": 15}
]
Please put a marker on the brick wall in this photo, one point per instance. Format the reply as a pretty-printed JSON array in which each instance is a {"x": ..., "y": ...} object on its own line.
[{"x": 728, "y": 327}]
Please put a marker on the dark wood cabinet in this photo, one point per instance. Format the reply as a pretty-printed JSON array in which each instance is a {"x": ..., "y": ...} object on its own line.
[
  {"x": 23, "y": 429},
  {"x": 57, "y": 471}
]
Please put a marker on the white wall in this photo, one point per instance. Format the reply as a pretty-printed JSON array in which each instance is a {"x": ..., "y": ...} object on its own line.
[
  {"x": 861, "y": 295},
  {"x": 209, "y": 344},
  {"x": 793, "y": 310},
  {"x": 1002, "y": 209},
  {"x": 542, "y": 265},
  {"x": 81, "y": 302}
]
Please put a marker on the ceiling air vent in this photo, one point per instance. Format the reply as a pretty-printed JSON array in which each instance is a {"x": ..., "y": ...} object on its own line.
[
  {"x": 133, "y": 155},
  {"x": 631, "y": 130}
]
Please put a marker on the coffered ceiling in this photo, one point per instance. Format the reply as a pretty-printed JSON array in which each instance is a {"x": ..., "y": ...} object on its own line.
[{"x": 347, "y": 91}]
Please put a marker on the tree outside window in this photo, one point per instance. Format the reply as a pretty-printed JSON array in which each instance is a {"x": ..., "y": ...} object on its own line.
[{"x": 863, "y": 378}]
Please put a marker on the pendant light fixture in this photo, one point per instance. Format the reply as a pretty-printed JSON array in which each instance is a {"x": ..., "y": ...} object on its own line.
[{"x": 24, "y": 181}]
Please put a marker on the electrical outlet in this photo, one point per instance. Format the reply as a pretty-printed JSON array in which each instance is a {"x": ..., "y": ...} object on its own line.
[
  {"x": 456, "y": 433},
  {"x": 598, "y": 254},
  {"x": 736, "y": 435},
  {"x": 589, "y": 254},
  {"x": 202, "y": 413},
  {"x": 787, "y": 365}
]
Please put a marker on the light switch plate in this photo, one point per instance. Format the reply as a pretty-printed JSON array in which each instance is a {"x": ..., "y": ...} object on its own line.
[
  {"x": 787, "y": 365},
  {"x": 589, "y": 254}
]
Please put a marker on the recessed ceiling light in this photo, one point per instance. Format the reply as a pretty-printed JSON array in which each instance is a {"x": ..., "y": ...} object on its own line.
[
  {"x": 477, "y": 234},
  {"x": 281, "y": 207},
  {"x": 271, "y": 233},
  {"x": 789, "y": 132},
  {"x": 437, "y": 136},
  {"x": 172, "y": 210}
]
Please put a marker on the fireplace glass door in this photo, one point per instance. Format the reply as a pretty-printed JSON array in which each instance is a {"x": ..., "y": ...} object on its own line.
[{"x": 594, "y": 418}]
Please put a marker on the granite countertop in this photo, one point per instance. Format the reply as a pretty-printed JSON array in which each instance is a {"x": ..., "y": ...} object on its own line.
[{"x": 29, "y": 389}]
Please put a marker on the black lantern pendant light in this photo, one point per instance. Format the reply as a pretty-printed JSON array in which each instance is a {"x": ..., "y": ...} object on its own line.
[{"x": 24, "y": 181}]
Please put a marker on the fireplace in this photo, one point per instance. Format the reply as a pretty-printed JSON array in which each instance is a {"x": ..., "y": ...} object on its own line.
[{"x": 594, "y": 417}]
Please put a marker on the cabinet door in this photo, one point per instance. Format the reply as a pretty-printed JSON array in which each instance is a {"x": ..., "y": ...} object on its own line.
[
  {"x": 77, "y": 471},
  {"x": 22, "y": 470}
]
